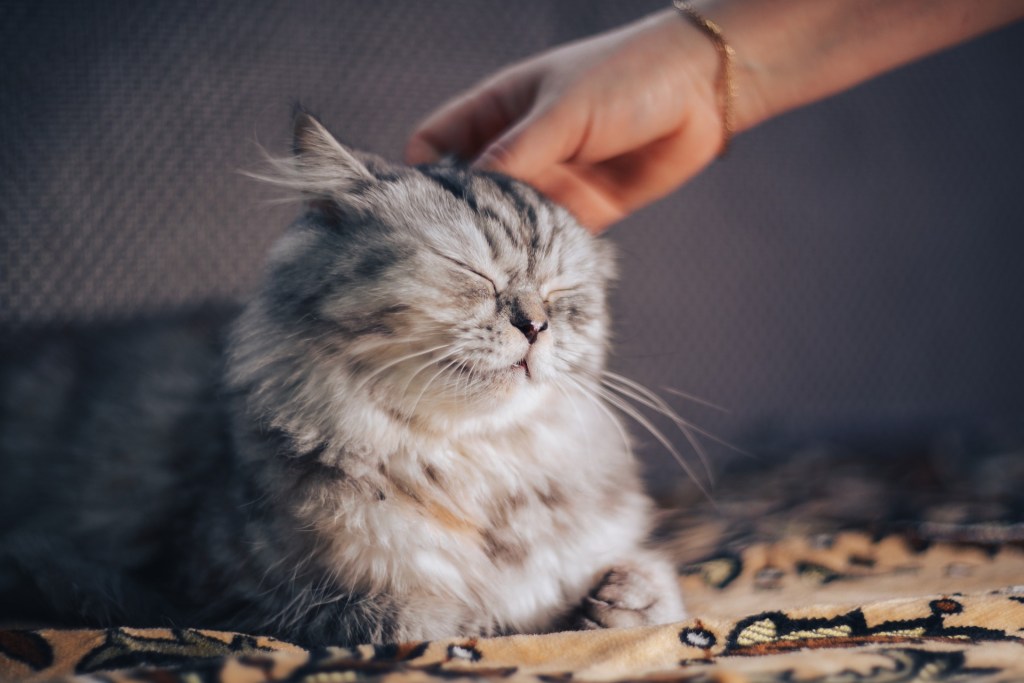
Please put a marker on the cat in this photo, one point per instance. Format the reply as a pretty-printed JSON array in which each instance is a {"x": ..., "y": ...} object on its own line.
[{"x": 400, "y": 437}]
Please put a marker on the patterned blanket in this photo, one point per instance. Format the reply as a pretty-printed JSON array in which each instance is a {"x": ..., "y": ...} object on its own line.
[{"x": 811, "y": 568}]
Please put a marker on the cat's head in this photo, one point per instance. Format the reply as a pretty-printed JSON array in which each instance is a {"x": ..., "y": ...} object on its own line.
[{"x": 437, "y": 293}]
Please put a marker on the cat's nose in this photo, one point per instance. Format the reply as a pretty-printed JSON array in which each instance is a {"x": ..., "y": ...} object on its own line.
[
  {"x": 526, "y": 312},
  {"x": 531, "y": 328}
]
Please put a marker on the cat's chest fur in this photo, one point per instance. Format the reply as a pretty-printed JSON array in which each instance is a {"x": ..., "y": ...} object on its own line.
[{"x": 509, "y": 524}]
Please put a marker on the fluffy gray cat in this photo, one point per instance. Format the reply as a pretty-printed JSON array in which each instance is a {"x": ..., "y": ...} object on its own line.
[{"x": 400, "y": 437}]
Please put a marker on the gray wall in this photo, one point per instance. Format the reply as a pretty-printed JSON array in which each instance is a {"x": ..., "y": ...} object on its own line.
[{"x": 854, "y": 265}]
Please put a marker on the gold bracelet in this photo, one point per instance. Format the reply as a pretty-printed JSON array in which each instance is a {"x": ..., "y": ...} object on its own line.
[{"x": 725, "y": 85}]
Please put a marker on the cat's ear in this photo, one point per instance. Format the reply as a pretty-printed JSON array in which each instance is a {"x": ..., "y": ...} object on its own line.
[{"x": 326, "y": 163}]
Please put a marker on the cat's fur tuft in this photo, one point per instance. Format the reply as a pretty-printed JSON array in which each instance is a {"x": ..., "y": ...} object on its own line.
[{"x": 400, "y": 440}]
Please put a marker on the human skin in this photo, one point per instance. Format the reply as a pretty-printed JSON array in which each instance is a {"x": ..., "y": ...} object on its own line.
[{"x": 607, "y": 124}]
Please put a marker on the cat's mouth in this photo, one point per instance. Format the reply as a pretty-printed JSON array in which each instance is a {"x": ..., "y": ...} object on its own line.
[{"x": 522, "y": 364}]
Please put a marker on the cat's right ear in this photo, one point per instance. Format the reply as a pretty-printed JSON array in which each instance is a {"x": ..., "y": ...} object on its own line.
[
  {"x": 320, "y": 170},
  {"x": 328, "y": 166}
]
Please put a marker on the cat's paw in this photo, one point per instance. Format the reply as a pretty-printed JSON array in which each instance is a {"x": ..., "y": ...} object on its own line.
[{"x": 631, "y": 595}]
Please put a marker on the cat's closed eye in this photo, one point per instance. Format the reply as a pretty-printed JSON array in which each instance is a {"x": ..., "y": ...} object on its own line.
[
  {"x": 481, "y": 276},
  {"x": 476, "y": 274}
]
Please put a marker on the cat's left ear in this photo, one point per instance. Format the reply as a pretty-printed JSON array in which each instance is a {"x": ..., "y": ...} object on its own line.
[{"x": 326, "y": 163}]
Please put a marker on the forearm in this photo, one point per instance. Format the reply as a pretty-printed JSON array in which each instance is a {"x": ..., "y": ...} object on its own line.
[{"x": 792, "y": 52}]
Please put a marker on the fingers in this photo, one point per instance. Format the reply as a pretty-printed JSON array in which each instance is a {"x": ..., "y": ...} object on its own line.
[
  {"x": 601, "y": 194},
  {"x": 421, "y": 150},
  {"x": 546, "y": 136},
  {"x": 638, "y": 178},
  {"x": 471, "y": 121},
  {"x": 505, "y": 124},
  {"x": 461, "y": 128},
  {"x": 588, "y": 203}
]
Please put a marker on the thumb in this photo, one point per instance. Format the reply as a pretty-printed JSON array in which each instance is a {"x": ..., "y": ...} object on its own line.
[{"x": 543, "y": 138}]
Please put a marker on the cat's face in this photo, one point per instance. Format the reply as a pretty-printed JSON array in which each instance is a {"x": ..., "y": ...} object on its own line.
[{"x": 443, "y": 293}]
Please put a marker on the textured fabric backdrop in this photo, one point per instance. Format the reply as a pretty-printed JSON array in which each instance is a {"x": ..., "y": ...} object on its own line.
[{"x": 854, "y": 265}]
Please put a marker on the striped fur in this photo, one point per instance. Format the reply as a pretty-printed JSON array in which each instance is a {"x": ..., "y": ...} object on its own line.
[{"x": 405, "y": 441}]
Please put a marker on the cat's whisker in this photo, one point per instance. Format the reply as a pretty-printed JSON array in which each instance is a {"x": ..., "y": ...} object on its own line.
[
  {"x": 655, "y": 403},
  {"x": 647, "y": 398},
  {"x": 639, "y": 418},
  {"x": 393, "y": 363},
  {"x": 428, "y": 383},
  {"x": 608, "y": 376},
  {"x": 575, "y": 408},
  {"x": 463, "y": 379},
  {"x": 590, "y": 395},
  {"x": 432, "y": 361},
  {"x": 697, "y": 399}
]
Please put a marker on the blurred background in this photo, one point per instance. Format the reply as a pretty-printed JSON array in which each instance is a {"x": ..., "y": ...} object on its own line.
[{"x": 851, "y": 271}]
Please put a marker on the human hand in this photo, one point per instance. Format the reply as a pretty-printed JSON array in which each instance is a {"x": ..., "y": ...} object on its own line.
[
  {"x": 602, "y": 126},
  {"x": 608, "y": 124}
]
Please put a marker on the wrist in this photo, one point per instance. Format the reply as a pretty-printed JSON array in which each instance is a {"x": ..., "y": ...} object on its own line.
[
  {"x": 698, "y": 57},
  {"x": 793, "y": 52},
  {"x": 694, "y": 62}
]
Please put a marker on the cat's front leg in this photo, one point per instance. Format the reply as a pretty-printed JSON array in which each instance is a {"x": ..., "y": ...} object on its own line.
[{"x": 642, "y": 591}]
